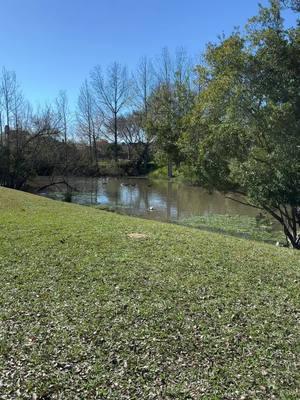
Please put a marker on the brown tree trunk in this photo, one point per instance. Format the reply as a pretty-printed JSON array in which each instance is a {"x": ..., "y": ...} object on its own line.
[
  {"x": 116, "y": 138},
  {"x": 170, "y": 169}
]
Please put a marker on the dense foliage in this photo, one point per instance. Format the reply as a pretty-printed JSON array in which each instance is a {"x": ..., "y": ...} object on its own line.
[{"x": 244, "y": 131}]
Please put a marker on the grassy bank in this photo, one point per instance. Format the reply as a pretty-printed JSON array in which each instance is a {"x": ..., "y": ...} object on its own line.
[
  {"x": 241, "y": 226},
  {"x": 96, "y": 305},
  {"x": 237, "y": 225}
]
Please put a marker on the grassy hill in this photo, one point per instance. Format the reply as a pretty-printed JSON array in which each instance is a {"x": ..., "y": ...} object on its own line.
[{"x": 96, "y": 305}]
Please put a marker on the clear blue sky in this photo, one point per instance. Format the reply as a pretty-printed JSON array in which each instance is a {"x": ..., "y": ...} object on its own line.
[{"x": 53, "y": 44}]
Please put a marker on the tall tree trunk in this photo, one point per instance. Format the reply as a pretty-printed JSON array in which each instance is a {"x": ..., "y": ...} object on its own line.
[
  {"x": 91, "y": 148},
  {"x": 1, "y": 130},
  {"x": 95, "y": 150},
  {"x": 170, "y": 169},
  {"x": 115, "y": 137}
]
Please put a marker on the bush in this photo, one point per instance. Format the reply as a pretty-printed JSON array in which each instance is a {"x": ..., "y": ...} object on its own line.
[
  {"x": 121, "y": 168},
  {"x": 68, "y": 197}
]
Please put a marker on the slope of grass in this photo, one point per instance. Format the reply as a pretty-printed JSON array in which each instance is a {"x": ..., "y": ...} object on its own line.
[
  {"x": 237, "y": 225},
  {"x": 96, "y": 305}
]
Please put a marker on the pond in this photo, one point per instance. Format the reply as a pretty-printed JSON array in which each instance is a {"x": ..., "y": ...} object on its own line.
[
  {"x": 170, "y": 202},
  {"x": 160, "y": 200}
]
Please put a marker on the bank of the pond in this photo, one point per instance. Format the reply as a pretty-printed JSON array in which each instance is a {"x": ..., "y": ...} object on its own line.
[
  {"x": 259, "y": 228},
  {"x": 168, "y": 201},
  {"x": 241, "y": 226},
  {"x": 96, "y": 305}
]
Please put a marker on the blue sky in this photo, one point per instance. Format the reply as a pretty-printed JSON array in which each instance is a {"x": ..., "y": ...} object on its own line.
[{"x": 53, "y": 44}]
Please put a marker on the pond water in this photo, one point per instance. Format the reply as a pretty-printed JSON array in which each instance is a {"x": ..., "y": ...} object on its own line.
[{"x": 160, "y": 200}]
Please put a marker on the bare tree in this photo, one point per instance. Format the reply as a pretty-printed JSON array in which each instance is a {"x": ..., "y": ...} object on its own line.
[
  {"x": 164, "y": 68},
  {"x": 112, "y": 96},
  {"x": 1, "y": 120},
  {"x": 63, "y": 118},
  {"x": 11, "y": 107},
  {"x": 87, "y": 120},
  {"x": 131, "y": 132},
  {"x": 26, "y": 115},
  {"x": 8, "y": 88},
  {"x": 183, "y": 91},
  {"x": 165, "y": 82},
  {"x": 143, "y": 84},
  {"x": 182, "y": 67},
  {"x": 19, "y": 163},
  {"x": 63, "y": 113},
  {"x": 11, "y": 100}
]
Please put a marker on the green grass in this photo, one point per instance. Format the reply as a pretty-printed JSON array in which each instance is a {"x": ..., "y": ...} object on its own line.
[
  {"x": 161, "y": 173},
  {"x": 90, "y": 312},
  {"x": 237, "y": 225}
]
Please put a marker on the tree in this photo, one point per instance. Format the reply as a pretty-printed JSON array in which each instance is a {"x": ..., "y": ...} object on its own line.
[
  {"x": 87, "y": 119},
  {"x": 245, "y": 126},
  {"x": 170, "y": 101},
  {"x": 10, "y": 102},
  {"x": 112, "y": 97},
  {"x": 8, "y": 89},
  {"x": 143, "y": 86},
  {"x": 11, "y": 106},
  {"x": 19, "y": 160},
  {"x": 1, "y": 124},
  {"x": 63, "y": 115},
  {"x": 293, "y": 4},
  {"x": 132, "y": 133}
]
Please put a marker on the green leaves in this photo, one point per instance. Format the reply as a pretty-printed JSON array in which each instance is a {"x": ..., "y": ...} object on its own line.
[{"x": 246, "y": 120}]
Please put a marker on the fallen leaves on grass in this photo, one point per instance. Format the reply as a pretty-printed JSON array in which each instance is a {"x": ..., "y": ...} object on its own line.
[{"x": 136, "y": 235}]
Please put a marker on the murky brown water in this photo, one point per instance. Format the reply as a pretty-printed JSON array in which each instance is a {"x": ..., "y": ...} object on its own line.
[{"x": 161, "y": 200}]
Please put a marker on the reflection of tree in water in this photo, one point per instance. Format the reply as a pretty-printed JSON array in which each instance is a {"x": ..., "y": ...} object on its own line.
[
  {"x": 197, "y": 201},
  {"x": 142, "y": 197},
  {"x": 94, "y": 191},
  {"x": 113, "y": 192},
  {"x": 169, "y": 200}
]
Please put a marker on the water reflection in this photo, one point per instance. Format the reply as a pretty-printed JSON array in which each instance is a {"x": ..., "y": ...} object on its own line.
[{"x": 160, "y": 200}]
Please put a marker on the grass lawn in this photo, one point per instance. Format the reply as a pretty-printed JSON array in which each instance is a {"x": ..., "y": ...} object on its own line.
[{"x": 96, "y": 305}]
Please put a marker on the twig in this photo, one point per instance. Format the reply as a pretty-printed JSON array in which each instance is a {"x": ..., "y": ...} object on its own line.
[{"x": 245, "y": 203}]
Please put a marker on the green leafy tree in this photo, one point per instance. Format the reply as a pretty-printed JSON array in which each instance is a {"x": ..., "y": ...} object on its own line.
[
  {"x": 293, "y": 4},
  {"x": 244, "y": 131}
]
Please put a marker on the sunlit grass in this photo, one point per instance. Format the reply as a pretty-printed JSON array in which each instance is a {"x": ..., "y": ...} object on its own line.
[
  {"x": 96, "y": 305},
  {"x": 238, "y": 225}
]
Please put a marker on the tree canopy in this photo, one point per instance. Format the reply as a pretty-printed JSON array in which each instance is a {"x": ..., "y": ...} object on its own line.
[{"x": 246, "y": 120}]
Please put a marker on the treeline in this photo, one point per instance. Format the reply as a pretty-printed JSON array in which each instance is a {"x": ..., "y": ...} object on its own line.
[
  {"x": 231, "y": 122},
  {"x": 119, "y": 116},
  {"x": 125, "y": 107}
]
